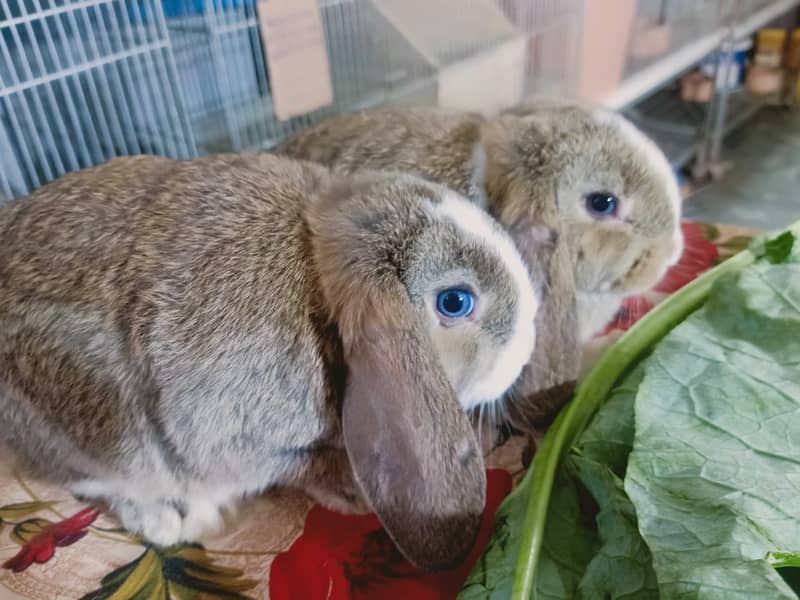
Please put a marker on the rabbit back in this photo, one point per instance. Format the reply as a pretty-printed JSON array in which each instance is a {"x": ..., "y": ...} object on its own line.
[
  {"x": 173, "y": 294},
  {"x": 434, "y": 143}
]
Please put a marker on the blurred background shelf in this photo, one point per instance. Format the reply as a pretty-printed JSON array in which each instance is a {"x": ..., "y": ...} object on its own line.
[
  {"x": 704, "y": 27},
  {"x": 677, "y": 126}
]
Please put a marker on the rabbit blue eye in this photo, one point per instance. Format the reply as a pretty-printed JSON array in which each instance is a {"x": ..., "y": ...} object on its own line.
[
  {"x": 602, "y": 204},
  {"x": 455, "y": 303}
]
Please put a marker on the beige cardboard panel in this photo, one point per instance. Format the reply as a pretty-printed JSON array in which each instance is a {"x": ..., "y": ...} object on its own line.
[
  {"x": 487, "y": 82},
  {"x": 297, "y": 58},
  {"x": 604, "y": 47},
  {"x": 444, "y": 30}
]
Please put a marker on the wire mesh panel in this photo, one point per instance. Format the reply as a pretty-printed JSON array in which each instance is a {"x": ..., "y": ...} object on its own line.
[
  {"x": 662, "y": 27},
  {"x": 82, "y": 81},
  {"x": 77, "y": 88},
  {"x": 553, "y": 30},
  {"x": 224, "y": 75}
]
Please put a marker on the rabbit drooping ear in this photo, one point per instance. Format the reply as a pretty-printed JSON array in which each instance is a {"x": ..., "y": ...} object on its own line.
[
  {"x": 547, "y": 381},
  {"x": 411, "y": 446},
  {"x": 528, "y": 208}
]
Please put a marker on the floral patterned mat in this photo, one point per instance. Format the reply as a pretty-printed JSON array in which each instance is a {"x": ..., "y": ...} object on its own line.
[{"x": 282, "y": 547}]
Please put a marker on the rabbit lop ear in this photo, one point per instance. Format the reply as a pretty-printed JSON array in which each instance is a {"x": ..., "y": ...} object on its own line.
[
  {"x": 411, "y": 445},
  {"x": 547, "y": 381}
]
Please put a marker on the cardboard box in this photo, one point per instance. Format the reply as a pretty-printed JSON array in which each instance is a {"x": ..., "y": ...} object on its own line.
[{"x": 607, "y": 28}]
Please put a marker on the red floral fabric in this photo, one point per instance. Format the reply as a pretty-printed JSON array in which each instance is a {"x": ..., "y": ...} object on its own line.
[
  {"x": 350, "y": 557},
  {"x": 41, "y": 547},
  {"x": 699, "y": 254}
]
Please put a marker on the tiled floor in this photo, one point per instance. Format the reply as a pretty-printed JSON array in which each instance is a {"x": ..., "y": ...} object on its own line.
[{"x": 762, "y": 189}]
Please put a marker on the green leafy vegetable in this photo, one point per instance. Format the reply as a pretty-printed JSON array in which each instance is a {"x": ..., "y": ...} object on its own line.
[
  {"x": 573, "y": 459},
  {"x": 622, "y": 568},
  {"x": 569, "y": 545},
  {"x": 609, "y": 437},
  {"x": 777, "y": 249},
  {"x": 715, "y": 469},
  {"x": 588, "y": 397}
]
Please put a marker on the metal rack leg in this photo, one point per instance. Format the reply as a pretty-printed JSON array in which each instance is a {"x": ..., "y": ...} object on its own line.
[{"x": 709, "y": 159}]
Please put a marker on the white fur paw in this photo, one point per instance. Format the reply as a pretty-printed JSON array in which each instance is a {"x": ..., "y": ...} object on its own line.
[
  {"x": 158, "y": 523},
  {"x": 162, "y": 527},
  {"x": 201, "y": 518}
]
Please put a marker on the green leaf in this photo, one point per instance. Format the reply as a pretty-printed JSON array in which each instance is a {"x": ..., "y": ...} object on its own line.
[
  {"x": 715, "y": 470},
  {"x": 776, "y": 249},
  {"x": 622, "y": 568},
  {"x": 569, "y": 543},
  {"x": 517, "y": 549},
  {"x": 23, "y": 509},
  {"x": 609, "y": 437},
  {"x": 491, "y": 576},
  {"x": 24, "y": 531},
  {"x": 589, "y": 396},
  {"x": 185, "y": 572},
  {"x": 140, "y": 576}
]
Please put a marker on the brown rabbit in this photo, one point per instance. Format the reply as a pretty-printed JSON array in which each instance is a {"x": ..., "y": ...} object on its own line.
[
  {"x": 177, "y": 334},
  {"x": 590, "y": 202}
]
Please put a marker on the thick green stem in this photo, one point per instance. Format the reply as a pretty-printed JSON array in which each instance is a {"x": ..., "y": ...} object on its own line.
[
  {"x": 589, "y": 396},
  {"x": 782, "y": 560}
]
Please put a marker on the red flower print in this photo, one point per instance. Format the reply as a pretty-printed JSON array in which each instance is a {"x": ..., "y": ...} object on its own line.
[
  {"x": 699, "y": 254},
  {"x": 633, "y": 308},
  {"x": 40, "y": 547},
  {"x": 350, "y": 557}
]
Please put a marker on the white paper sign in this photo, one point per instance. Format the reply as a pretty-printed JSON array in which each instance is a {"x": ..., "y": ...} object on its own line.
[{"x": 297, "y": 58}]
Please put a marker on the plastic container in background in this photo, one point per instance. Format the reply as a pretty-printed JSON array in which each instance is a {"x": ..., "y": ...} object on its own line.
[
  {"x": 735, "y": 75},
  {"x": 793, "y": 66},
  {"x": 793, "y": 55},
  {"x": 763, "y": 81},
  {"x": 769, "y": 48},
  {"x": 766, "y": 75}
]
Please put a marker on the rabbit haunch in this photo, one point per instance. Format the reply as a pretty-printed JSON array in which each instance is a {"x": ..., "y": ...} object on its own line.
[{"x": 175, "y": 335}]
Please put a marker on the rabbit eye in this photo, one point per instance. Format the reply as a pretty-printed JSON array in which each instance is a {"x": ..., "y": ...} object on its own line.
[
  {"x": 602, "y": 204},
  {"x": 454, "y": 303}
]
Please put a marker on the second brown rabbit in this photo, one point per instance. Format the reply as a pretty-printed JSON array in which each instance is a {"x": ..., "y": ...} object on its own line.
[{"x": 590, "y": 202}]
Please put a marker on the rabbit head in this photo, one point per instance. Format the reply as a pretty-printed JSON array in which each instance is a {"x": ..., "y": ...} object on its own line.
[
  {"x": 436, "y": 314},
  {"x": 609, "y": 188}
]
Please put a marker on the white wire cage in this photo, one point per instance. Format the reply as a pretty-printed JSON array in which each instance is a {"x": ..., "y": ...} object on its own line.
[{"x": 82, "y": 81}]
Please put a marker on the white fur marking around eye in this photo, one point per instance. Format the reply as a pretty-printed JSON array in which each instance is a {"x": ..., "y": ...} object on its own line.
[{"x": 517, "y": 351}]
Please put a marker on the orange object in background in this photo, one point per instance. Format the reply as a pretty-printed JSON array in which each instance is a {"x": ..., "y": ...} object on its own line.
[
  {"x": 793, "y": 66},
  {"x": 769, "y": 48},
  {"x": 603, "y": 49},
  {"x": 766, "y": 74},
  {"x": 793, "y": 54},
  {"x": 763, "y": 80}
]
